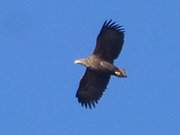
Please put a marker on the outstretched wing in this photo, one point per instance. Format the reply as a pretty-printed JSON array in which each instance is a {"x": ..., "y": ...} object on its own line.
[
  {"x": 109, "y": 41},
  {"x": 91, "y": 88}
]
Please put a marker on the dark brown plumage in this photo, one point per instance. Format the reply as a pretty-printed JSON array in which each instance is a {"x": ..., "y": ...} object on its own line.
[{"x": 100, "y": 64}]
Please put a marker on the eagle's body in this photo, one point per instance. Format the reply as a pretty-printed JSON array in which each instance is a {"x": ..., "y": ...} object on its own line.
[
  {"x": 95, "y": 63},
  {"x": 100, "y": 64}
]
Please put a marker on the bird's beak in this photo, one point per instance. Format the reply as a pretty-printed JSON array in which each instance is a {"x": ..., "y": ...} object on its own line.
[{"x": 77, "y": 62}]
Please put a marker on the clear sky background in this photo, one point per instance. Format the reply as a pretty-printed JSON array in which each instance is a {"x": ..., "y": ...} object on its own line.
[{"x": 40, "y": 39}]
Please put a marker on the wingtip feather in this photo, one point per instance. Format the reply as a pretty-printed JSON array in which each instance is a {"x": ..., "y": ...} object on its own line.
[{"x": 113, "y": 25}]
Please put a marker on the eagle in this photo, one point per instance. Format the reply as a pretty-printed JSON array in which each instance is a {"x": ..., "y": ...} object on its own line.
[{"x": 99, "y": 65}]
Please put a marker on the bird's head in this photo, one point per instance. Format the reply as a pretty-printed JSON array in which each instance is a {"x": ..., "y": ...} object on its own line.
[{"x": 82, "y": 61}]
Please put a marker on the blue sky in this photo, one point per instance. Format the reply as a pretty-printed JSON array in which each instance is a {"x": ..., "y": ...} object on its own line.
[{"x": 40, "y": 39}]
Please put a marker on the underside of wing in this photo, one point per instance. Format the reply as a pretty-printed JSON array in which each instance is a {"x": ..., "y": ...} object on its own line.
[
  {"x": 109, "y": 41},
  {"x": 91, "y": 88}
]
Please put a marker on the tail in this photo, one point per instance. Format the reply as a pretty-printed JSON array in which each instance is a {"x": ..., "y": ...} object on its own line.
[{"x": 120, "y": 73}]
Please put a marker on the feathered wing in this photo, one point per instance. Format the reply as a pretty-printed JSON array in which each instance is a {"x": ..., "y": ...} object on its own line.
[
  {"x": 91, "y": 88},
  {"x": 109, "y": 41}
]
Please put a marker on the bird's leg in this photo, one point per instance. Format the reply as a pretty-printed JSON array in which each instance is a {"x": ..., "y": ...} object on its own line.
[
  {"x": 120, "y": 72},
  {"x": 108, "y": 67}
]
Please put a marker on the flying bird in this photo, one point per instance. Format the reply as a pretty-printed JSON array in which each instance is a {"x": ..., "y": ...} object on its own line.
[{"x": 99, "y": 65}]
